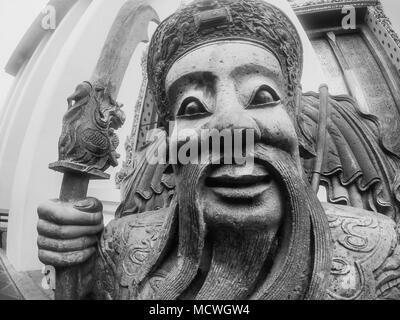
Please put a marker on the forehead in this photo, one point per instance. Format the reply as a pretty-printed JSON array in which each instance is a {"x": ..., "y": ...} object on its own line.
[{"x": 226, "y": 58}]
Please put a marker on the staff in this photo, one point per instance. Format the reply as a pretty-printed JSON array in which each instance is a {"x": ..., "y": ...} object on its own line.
[
  {"x": 324, "y": 115},
  {"x": 87, "y": 145}
]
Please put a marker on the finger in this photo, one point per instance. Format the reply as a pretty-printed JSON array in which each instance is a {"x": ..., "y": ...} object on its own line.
[
  {"x": 77, "y": 244},
  {"x": 66, "y": 214},
  {"x": 90, "y": 205},
  {"x": 65, "y": 259},
  {"x": 51, "y": 230}
]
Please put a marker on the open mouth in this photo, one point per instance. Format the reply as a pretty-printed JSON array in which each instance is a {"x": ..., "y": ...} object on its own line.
[
  {"x": 239, "y": 182},
  {"x": 116, "y": 123}
]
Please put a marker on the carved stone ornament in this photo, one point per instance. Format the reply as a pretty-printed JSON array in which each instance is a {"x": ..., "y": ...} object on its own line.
[
  {"x": 87, "y": 147},
  {"x": 88, "y": 136},
  {"x": 382, "y": 27},
  {"x": 380, "y": 15}
]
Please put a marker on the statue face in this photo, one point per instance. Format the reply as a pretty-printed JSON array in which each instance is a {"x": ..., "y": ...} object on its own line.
[{"x": 234, "y": 85}]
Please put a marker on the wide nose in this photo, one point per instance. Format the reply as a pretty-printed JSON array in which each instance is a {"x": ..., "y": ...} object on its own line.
[
  {"x": 230, "y": 114},
  {"x": 232, "y": 120},
  {"x": 232, "y": 130}
]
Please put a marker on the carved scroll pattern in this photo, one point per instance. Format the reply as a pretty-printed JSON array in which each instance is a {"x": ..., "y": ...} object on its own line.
[{"x": 365, "y": 263}]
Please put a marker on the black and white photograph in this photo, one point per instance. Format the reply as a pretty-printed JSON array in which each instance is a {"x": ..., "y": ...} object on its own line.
[{"x": 196, "y": 156}]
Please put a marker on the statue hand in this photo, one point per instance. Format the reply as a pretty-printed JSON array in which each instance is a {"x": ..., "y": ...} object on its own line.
[{"x": 68, "y": 232}]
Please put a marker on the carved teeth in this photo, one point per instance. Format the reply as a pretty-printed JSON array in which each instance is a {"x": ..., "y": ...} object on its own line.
[
  {"x": 233, "y": 181},
  {"x": 236, "y": 171}
]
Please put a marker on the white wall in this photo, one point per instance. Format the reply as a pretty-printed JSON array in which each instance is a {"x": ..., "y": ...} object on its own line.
[
  {"x": 13, "y": 24},
  {"x": 33, "y": 181}
]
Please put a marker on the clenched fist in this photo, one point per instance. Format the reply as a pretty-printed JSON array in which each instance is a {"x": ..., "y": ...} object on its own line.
[{"x": 68, "y": 232}]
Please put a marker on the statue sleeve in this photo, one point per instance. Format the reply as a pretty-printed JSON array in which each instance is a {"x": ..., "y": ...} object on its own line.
[
  {"x": 104, "y": 268},
  {"x": 125, "y": 252}
]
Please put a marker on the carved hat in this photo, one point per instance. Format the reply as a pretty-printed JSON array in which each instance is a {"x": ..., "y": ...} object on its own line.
[{"x": 209, "y": 21}]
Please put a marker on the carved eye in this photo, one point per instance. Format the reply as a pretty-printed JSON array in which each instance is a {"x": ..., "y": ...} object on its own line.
[
  {"x": 264, "y": 96},
  {"x": 191, "y": 107}
]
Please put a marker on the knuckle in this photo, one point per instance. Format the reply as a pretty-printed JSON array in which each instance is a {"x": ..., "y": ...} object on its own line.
[
  {"x": 91, "y": 241},
  {"x": 42, "y": 258},
  {"x": 43, "y": 208},
  {"x": 79, "y": 256},
  {"x": 87, "y": 253},
  {"x": 62, "y": 232},
  {"x": 96, "y": 218},
  {"x": 51, "y": 210},
  {"x": 60, "y": 246},
  {"x": 40, "y": 227},
  {"x": 46, "y": 258},
  {"x": 92, "y": 218},
  {"x": 60, "y": 259},
  {"x": 40, "y": 242},
  {"x": 59, "y": 213}
]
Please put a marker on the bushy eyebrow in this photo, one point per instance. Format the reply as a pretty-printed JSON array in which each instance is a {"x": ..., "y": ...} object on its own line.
[
  {"x": 201, "y": 79},
  {"x": 251, "y": 68}
]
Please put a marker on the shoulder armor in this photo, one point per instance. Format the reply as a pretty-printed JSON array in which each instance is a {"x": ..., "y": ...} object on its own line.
[{"x": 366, "y": 256}]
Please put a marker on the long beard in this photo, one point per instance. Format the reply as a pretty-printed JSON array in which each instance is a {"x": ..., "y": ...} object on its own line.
[
  {"x": 246, "y": 263},
  {"x": 191, "y": 234},
  {"x": 238, "y": 258}
]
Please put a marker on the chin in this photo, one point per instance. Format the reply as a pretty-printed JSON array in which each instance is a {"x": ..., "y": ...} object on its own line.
[{"x": 242, "y": 196}]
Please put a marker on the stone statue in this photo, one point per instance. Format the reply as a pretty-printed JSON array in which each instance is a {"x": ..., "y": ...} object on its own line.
[{"x": 207, "y": 231}]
